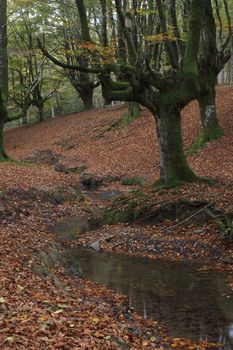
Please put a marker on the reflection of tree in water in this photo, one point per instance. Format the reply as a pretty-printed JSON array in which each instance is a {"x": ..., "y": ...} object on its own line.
[{"x": 191, "y": 304}]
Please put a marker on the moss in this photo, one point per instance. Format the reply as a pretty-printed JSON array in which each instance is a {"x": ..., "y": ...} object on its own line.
[
  {"x": 4, "y": 159},
  {"x": 226, "y": 226},
  {"x": 125, "y": 120},
  {"x": 177, "y": 177},
  {"x": 132, "y": 181},
  {"x": 207, "y": 180},
  {"x": 61, "y": 196},
  {"x": 175, "y": 169},
  {"x": 149, "y": 212},
  {"x": 124, "y": 215},
  {"x": 205, "y": 137},
  {"x": 3, "y": 196},
  {"x": 160, "y": 186},
  {"x": 7, "y": 159},
  {"x": 137, "y": 192}
]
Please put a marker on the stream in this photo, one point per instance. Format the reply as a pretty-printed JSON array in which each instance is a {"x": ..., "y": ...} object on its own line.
[{"x": 191, "y": 304}]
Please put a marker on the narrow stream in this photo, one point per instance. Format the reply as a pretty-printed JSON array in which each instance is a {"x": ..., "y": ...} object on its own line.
[{"x": 191, "y": 304}]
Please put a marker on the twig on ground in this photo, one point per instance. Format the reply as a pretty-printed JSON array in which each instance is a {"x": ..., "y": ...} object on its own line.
[{"x": 187, "y": 219}]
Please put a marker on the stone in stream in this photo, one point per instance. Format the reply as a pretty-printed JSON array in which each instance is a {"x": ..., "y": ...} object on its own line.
[{"x": 95, "y": 246}]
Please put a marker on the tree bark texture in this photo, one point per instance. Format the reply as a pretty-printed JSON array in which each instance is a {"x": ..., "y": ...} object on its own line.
[
  {"x": 174, "y": 168},
  {"x": 211, "y": 128}
]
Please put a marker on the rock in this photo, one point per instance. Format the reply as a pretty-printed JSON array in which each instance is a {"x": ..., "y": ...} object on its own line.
[
  {"x": 41, "y": 271},
  {"x": 95, "y": 246},
  {"x": 61, "y": 168},
  {"x": 44, "y": 156},
  {"x": 168, "y": 231},
  {"x": 197, "y": 232},
  {"x": 91, "y": 180}
]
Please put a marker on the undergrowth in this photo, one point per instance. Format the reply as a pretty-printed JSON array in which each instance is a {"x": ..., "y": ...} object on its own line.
[{"x": 132, "y": 181}]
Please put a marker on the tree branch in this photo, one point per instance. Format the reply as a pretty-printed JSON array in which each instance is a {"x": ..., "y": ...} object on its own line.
[
  {"x": 15, "y": 117},
  {"x": 65, "y": 65}
]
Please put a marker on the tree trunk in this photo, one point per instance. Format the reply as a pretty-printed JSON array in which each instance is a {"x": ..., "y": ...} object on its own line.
[
  {"x": 174, "y": 168},
  {"x": 41, "y": 113},
  {"x": 133, "y": 110},
  {"x": 25, "y": 118},
  {"x": 211, "y": 128},
  {"x": 3, "y": 155},
  {"x": 86, "y": 96}
]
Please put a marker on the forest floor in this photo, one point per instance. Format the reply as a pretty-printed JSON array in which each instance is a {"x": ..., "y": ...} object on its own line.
[{"x": 41, "y": 307}]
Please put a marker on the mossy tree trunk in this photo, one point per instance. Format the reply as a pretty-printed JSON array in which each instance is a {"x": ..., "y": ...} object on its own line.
[
  {"x": 174, "y": 168},
  {"x": 85, "y": 91},
  {"x": 24, "y": 119},
  {"x": 211, "y": 128},
  {"x": 210, "y": 63},
  {"x": 87, "y": 100},
  {"x": 41, "y": 116},
  {"x": 133, "y": 110},
  {"x": 3, "y": 155},
  {"x": 165, "y": 95},
  {"x": 3, "y": 117}
]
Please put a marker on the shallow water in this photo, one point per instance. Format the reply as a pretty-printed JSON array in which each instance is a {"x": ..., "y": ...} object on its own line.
[
  {"x": 69, "y": 227},
  {"x": 102, "y": 195},
  {"x": 191, "y": 304}
]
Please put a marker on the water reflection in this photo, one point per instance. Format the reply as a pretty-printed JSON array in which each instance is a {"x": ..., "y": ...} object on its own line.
[
  {"x": 68, "y": 228},
  {"x": 192, "y": 304},
  {"x": 102, "y": 195}
]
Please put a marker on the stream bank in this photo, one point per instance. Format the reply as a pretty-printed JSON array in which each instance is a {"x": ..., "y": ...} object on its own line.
[{"x": 153, "y": 287}]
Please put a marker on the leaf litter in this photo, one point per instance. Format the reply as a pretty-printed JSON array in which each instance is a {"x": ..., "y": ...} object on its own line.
[{"x": 55, "y": 311}]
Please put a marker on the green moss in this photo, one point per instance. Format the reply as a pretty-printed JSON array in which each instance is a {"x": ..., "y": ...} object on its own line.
[
  {"x": 203, "y": 138},
  {"x": 61, "y": 196},
  {"x": 137, "y": 192},
  {"x": 124, "y": 121},
  {"x": 4, "y": 158},
  {"x": 132, "y": 181},
  {"x": 161, "y": 186},
  {"x": 207, "y": 180},
  {"x": 226, "y": 226},
  {"x": 175, "y": 170},
  {"x": 177, "y": 177},
  {"x": 124, "y": 215}
]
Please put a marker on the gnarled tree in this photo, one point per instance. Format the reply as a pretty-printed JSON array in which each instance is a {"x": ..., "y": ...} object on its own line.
[
  {"x": 163, "y": 93},
  {"x": 215, "y": 52},
  {"x": 163, "y": 87}
]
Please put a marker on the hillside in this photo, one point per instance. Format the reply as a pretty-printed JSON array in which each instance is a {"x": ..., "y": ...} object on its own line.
[
  {"x": 132, "y": 150},
  {"x": 43, "y": 188}
]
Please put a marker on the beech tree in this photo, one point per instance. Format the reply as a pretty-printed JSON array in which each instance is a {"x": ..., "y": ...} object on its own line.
[
  {"x": 73, "y": 36},
  {"x": 36, "y": 67},
  {"x": 163, "y": 91},
  {"x": 215, "y": 52}
]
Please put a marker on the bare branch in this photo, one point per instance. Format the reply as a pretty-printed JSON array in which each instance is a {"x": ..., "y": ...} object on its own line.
[{"x": 65, "y": 65}]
